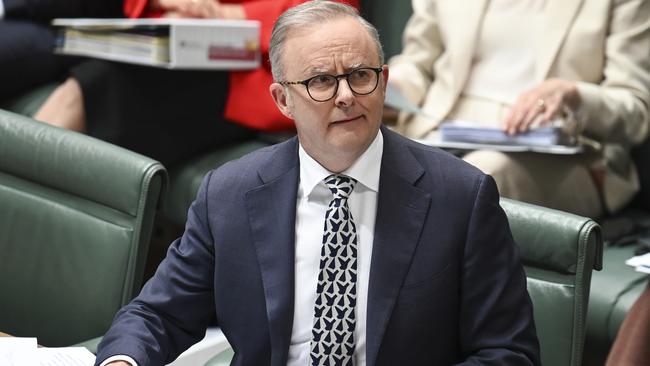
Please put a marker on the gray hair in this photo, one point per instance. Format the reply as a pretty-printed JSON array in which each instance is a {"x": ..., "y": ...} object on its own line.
[{"x": 307, "y": 14}]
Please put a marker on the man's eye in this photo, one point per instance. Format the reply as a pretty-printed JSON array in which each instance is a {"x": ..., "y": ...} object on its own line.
[
  {"x": 362, "y": 74},
  {"x": 321, "y": 81}
]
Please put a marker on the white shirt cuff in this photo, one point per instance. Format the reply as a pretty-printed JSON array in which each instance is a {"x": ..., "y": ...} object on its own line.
[
  {"x": 119, "y": 358},
  {"x": 2, "y": 9}
]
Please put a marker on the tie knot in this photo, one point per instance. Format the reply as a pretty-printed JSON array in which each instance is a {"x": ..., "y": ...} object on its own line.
[{"x": 340, "y": 185}]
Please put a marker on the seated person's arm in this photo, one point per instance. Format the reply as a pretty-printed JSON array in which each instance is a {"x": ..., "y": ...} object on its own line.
[
  {"x": 613, "y": 108},
  {"x": 174, "y": 308},
  {"x": 412, "y": 70},
  {"x": 496, "y": 317}
]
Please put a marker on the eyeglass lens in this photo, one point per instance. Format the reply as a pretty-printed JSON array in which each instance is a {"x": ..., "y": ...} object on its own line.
[{"x": 361, "y": 81}]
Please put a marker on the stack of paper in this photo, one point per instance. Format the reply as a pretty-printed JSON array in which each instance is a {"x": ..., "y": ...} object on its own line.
[
  {"x": 15, "y": 351},
  {"x": 476, "y": 133},
  {"x": 137, "y": 46},
  {"x": 641, "y": 263},
  {"x": 172, "y": 43}
]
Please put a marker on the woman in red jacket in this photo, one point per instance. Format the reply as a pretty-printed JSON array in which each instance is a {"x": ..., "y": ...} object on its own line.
[{"x": 172, "y": 115}]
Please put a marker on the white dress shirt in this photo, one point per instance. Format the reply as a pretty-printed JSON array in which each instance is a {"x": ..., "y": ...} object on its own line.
[
  {"x": 2, "y": 9},
  {"x": 119, "y": 358},
  {"x": 312, "y": 201}
]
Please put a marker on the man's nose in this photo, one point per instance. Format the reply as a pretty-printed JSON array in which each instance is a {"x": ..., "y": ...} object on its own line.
[{"x": 344, "y": 95}]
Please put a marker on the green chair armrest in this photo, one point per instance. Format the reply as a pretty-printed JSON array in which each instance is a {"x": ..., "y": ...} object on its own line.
[
  {"x": 221, "y": 359},
  {"x": 90, "y": 344}
]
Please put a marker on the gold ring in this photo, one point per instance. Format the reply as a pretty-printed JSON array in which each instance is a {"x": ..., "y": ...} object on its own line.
[{"x": 540, "y": 104}]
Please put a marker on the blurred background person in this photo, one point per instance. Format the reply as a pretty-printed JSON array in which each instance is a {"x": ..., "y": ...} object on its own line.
[
  {"x": 27, "y": 40},
  {"x": 631, "y": 345},
  {"x": 518, "y": 64},
  {"x": 173, "y": 115}
]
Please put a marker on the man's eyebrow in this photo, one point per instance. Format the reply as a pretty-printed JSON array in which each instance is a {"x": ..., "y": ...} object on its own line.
[
  {"x": 316, "y": 70},
  {"x": 319, "y": 70}
]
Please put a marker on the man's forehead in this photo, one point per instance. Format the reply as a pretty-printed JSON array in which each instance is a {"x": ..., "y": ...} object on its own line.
[
  {"x": 323, "y": 48},
  {"x": 338, "y": 34}
]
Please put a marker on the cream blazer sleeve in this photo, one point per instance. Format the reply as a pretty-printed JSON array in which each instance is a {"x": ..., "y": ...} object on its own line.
[
  {"x": 413, "y": 67},
  {"x": 616, "y": 108}
]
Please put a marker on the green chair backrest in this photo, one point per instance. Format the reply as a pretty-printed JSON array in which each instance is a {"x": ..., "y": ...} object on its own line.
[
  {"x": 389, "y": 17},
  {"x": 559, "y": 251},
  {"x": 76, "y": 216},
  {"x": 185, "y": 179}
]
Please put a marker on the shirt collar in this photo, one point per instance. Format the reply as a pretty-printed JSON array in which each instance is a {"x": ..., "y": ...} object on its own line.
[{"x": 365, "y": 169}]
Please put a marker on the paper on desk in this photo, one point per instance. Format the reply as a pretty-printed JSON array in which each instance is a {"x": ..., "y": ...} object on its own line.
[
  {"x": 24, "y": 351},
  {"x": 641, "y": 263},
  {"x": 10, "y": 346}
]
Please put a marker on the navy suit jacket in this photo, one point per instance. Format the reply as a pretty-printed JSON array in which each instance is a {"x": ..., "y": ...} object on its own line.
[{"x": 446, "y": 284}]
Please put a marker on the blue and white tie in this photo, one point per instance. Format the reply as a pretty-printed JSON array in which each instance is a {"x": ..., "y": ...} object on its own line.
[{"x": 332, "y": 340}]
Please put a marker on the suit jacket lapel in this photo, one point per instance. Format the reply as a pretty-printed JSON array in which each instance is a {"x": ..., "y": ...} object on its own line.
[
  {"x": 559, "y": 16},
  {"x": 401, "y": 212},
  {"x": 272, "y": 209}
]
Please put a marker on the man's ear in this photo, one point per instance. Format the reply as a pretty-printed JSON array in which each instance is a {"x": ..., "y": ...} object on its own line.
[
  {"x": 385, "y": 74},
  {"x": 281, "y": 99}
]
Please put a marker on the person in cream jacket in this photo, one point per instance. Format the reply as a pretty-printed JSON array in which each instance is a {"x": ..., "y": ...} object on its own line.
[{"x": 519, "y": 64}]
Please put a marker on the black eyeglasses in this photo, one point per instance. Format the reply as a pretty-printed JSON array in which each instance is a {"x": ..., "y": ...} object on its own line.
[{"x": 323, "y": 87}]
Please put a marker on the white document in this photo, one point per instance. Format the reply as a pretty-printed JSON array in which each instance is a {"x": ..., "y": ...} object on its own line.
[
  {"x": 12, "y": 346},
  {"x": 396, "y": 99},
  {"x": 15, "y": 351},
  {"x": 66, "y": 356},
  {"x": 643, "y": 269},
  {"x": 435, "y": 140},
  {"x": 641, "y": 263}
]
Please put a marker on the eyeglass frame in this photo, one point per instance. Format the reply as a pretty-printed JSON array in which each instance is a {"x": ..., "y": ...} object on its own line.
[{"x": 338, "y": 77}]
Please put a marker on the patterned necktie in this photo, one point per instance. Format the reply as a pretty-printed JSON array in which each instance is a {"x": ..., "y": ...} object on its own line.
[{"x": 332, "y": 340}]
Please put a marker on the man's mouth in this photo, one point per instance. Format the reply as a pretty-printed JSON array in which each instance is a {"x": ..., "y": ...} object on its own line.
[{"x": 351, "y": 119}]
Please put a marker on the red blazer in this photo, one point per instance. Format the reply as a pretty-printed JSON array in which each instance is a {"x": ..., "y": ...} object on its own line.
[{"x": 249, "y": 101}]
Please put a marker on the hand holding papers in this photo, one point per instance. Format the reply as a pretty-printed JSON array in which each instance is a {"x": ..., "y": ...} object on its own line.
[
  {"x": 465, "y": 135},
  {"x": 473, "y": 132}
]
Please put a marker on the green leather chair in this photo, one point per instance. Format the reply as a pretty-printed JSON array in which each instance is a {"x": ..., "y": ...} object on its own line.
[
  {"x": 559, "y": 251},
  {"x": 75, "y": 221},
  {"x": 613, "y": 292},
  {"x": 186, "y": 178}
]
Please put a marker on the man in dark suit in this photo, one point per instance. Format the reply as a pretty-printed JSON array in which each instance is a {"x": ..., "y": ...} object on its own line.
[{"x": 348, "y": 245}]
